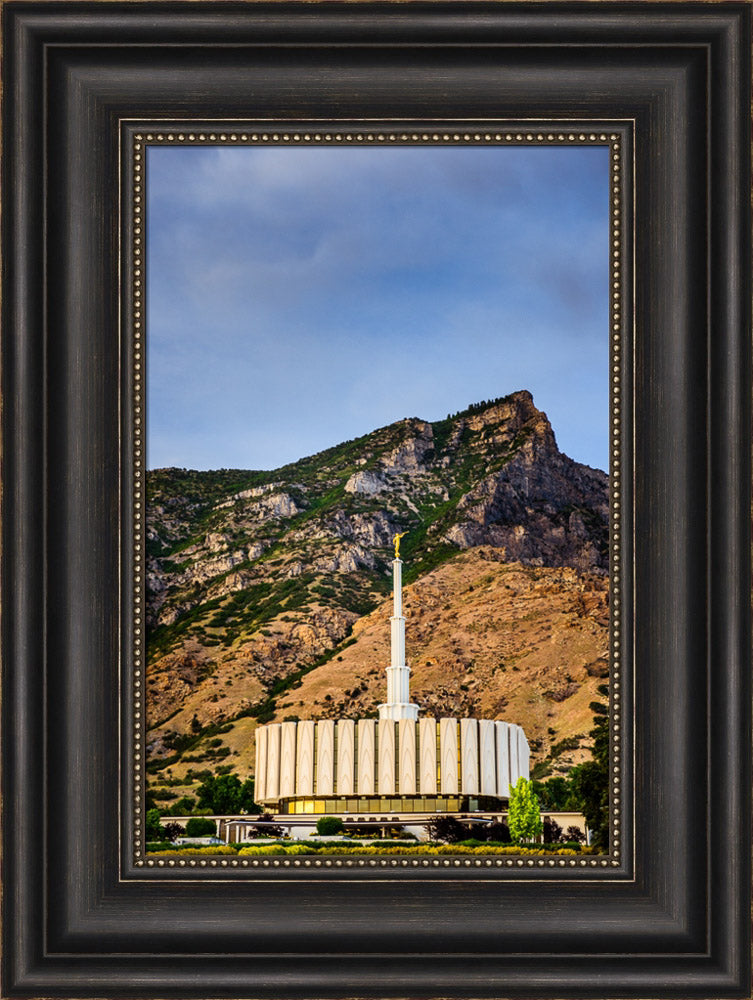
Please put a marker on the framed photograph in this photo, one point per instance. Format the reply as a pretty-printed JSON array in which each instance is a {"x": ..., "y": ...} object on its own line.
[
  {"x": 386, "y": 635},
  {"x": 376, "y": 529}
]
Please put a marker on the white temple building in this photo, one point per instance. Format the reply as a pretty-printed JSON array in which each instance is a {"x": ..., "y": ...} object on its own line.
[{"x": 397, "y": 766}]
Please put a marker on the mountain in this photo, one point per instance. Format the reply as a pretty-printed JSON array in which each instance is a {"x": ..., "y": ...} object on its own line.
[
  {"x": 266, "y": 583},
  {"x": 487, "y": 638}
]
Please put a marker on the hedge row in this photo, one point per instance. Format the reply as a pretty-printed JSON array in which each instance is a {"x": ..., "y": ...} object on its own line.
[
  {"x": 425, "y": 849},
  {"x": 177, "y": 852},
  {"x": 257, "y": 850}
]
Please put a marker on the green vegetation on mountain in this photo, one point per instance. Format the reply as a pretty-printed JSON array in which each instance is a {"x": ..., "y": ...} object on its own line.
[{"x": 257, "y": 579}]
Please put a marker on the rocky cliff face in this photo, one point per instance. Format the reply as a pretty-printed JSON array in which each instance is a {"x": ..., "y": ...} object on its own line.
[
  {"x": 541, "y": 507},
  {"x": 254, "y": 578}
]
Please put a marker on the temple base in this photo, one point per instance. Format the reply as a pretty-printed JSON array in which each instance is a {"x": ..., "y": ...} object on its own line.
[{"x": 398, "y": 710}]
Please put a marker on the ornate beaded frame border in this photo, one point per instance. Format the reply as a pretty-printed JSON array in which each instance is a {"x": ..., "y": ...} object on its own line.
[{"x": 486, "y": 132}]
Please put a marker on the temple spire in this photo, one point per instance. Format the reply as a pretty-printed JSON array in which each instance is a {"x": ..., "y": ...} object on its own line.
[{"x": 398, "y": 704}]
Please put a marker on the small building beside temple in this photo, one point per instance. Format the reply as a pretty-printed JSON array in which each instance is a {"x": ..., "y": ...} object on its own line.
[{"x": 398, "y": 767}]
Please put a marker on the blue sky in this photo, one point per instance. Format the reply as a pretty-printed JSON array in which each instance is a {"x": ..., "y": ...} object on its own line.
[{"x": 299, "y": 297}]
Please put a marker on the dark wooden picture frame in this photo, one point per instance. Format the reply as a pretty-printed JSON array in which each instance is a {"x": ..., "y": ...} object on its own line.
[{"x": 78, "y": 918}]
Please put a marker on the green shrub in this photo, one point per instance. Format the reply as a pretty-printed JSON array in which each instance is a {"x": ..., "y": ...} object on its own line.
[
  {"x": 158, "y": 764},
  {"x": 215, "y": 849},
  {"x": 198, "y": 826},
  {"x": 446, "y": 829},
  {"x": 276, "y": 849},
  {"x": 329, "y": 826},
  {"x": 184, "y": 805},
  {"x": 569, "y": 743},
  {"x": 163, "y": 794}
]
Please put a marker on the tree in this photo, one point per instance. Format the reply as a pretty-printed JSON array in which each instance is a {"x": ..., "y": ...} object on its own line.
[
  {"x": 268, "y": 829},
  {"x": 590, "y": 781},
  {"x": 524, "y": 816},
  {"x": 153, "y": 827},
  {"x": 329, "y": 826},
  {"x": 446, "y": 829},
  {"x": 247, "y": 798},
  {"x": 575, "y": 835},
  {"x": 552, "y": 831},
  {"x": 553, "y": 794},
  {"x": 224, "y": 795},
  {"x": 182, "y": 806},
  {"x": 172, "y": 830},
  {"x": 199, "y": 826},
  {"x": 590, "y": 784},
  {"x": 498, "y": 832}
]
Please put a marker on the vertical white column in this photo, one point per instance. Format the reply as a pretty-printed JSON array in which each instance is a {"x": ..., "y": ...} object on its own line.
[
  {"x": 487, "y": 757},
  {"x": 260, "y": 774},
  {"x": 469, "y": 756},
  {"x": 386, "y": 757},
  {"x": 287, "y": 759},
  {"x": 448, "y": 756},
  {"x": 514, "y": 760},
  {"x": 366, "y": 758},
  {"x": 503, "y": 759},
  {"x": 304, "y": 764},
  {"x": 524, "y": 754},
  {"x": 346, "y": 730},
  {"x": 273, "y": 760},
  {"x": 406, "y": 741},
  {"x": 325, "y": 757},
  {"x": 427, "y": 740}
]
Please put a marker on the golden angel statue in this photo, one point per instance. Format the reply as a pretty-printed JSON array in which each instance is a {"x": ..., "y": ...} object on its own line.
[{"x": 396, "y": 540}]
